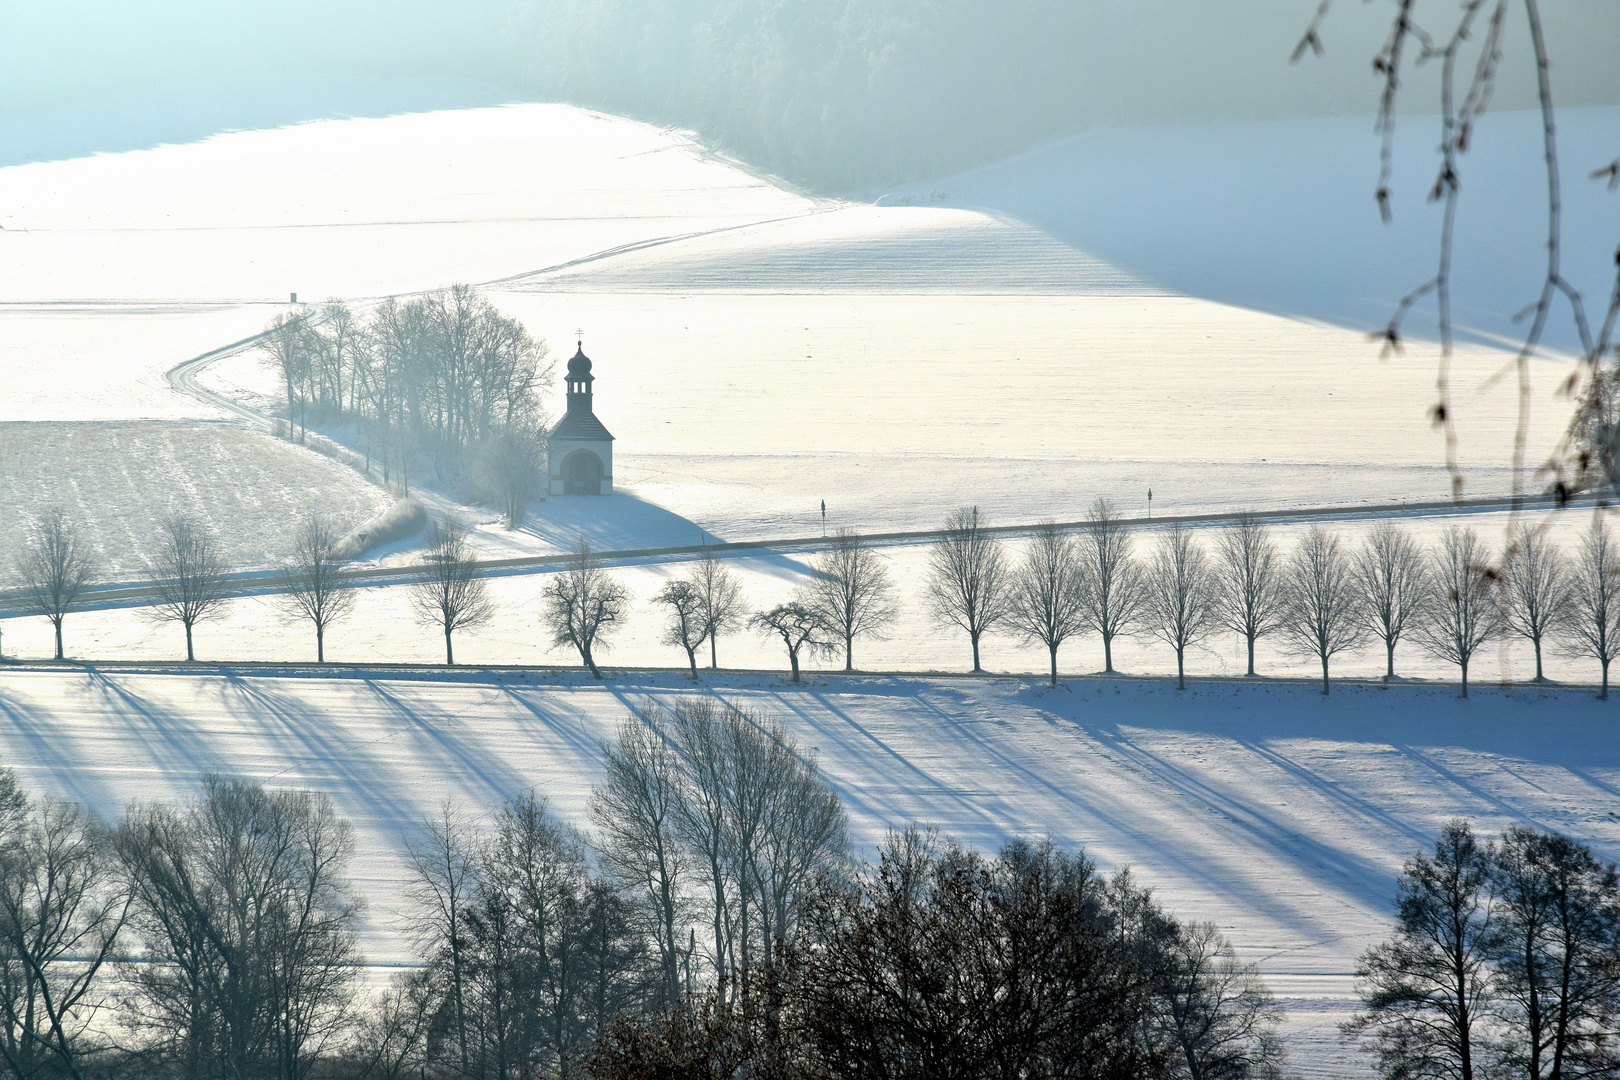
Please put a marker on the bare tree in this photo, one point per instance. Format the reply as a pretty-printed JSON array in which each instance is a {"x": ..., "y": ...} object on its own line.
[
  {"x": 1115, "y": 588},
  {"x": 800, "y": 627},
  {"x": 1048, "y": 591},
  {"x": 1555, "y": 927},
  {"x": 583, "y": 604},
  {"x": 187, "y": 575},
  {"x": 1323, "y": 612},
  {"x": 1426, "y": 991},
  {"x": 63, "y": 906},
  {"x": 1179, "y": 607},
  {"x": 1394, "y": 585},
  {"x": 851, "y": 591},
  {"x": 448, "y": 591},
  {"x": 1591, "y": 626},
  {"x": 54, "y": 568},
  {"x": 248, "y": 924},
  {"x": 1468, "y": 48},
  {"x": 1249, "y": 600},
  {"x": 442, "y": 882},
  {"x": 635, "y": 809},
  {"x": 315, "y": 589},
  {"x": 721, "y": 593},
  {"x": 968, "y": 578},
  {"x": 1463, "y": 610},
  {"x": 686, "y": 624},
  {"x": 1535, "y": 589},
  {"x": 1220, "y": 1016}
]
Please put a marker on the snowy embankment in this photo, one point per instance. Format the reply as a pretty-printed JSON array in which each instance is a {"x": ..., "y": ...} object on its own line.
[{"x": 1281, "y": 815}]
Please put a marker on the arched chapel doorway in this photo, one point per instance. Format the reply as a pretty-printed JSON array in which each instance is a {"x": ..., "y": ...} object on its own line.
[{"x": 582, "y": 473}]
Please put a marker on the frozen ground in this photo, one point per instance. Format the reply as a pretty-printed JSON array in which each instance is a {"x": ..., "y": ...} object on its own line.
[
  {"x": 118, "y": 480},
  {"x": 1280, "y": 815}
]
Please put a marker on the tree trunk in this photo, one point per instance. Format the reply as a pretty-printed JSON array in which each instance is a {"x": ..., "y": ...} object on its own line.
[
  {"x": 590, "y": 662},
  {"x": 1537, "y": 642},
  {"x": 1389, "y": 659},
  {"x": 191, "y": 656},
  {"x": 1108, "y": 654},
  {"x": 793, "y": 658},
  {"x": 976, "y": 666},
  {"x": 320, "y": 644},
  {"x": 691, "y": 660},
  {"x": 1053, "y": 650},
  {"x": 1603, "y": 695},
  {"x": 1181, "y": 671},
  {"x": 449, "y": 653},
  {"x": 849, "y": 652},
  {"x": 714, "y": 660},
  {"x": 1251, "y": 654},
  {"x": 57, "y": 622},
  {"x": 1464, "y": 666},
  {"x": 1324, "y": 675}
]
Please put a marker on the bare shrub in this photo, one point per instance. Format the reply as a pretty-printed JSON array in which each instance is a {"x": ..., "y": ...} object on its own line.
[{"x": 1219, "y": 1015}]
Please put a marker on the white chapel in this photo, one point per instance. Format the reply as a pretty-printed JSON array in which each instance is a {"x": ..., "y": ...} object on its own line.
[{"x": 581, "y": 458}]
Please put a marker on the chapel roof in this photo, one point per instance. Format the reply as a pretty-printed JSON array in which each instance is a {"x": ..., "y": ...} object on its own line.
[{"x": 580, "y": 424}]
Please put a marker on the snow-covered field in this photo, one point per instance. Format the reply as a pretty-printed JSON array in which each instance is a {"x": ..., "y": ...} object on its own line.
[
  {"x": 1279, "y": 814},
  {"x": 1181, "y": 309},
  {"x": 119, "y": 480}
]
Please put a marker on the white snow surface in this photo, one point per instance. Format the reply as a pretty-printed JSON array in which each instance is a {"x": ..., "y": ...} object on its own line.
[{"x": 1280, "y": 815}]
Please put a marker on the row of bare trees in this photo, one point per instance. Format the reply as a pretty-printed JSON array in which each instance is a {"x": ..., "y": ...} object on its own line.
[
  {"x": 443, "y": 378},
  {"x": 1320, "y": 600}
]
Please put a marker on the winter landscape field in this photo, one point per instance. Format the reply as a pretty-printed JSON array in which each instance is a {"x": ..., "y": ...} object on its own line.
[{"x": 1181, "y": 309}]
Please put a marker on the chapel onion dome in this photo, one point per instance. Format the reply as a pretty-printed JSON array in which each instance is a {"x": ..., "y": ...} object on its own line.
[{"x": 579, "y": 367}]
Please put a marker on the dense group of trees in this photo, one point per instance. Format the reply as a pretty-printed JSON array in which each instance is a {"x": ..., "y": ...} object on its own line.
[
  {"x": 1505, "y": 961},
  {"x": 713, "y": 910},
  {"x": 1319, "y": 600},
  {"x": 441, "y": 381}
]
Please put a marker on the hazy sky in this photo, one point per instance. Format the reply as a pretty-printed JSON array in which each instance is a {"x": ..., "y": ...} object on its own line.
[{"x": 1141, "y": 60}]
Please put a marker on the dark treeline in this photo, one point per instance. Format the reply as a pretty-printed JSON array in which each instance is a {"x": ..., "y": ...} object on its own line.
[
  {"x": 442, "y": 381},
  {"x": 1505, "y": 961},
  {"x": 712, "y": 924}
]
